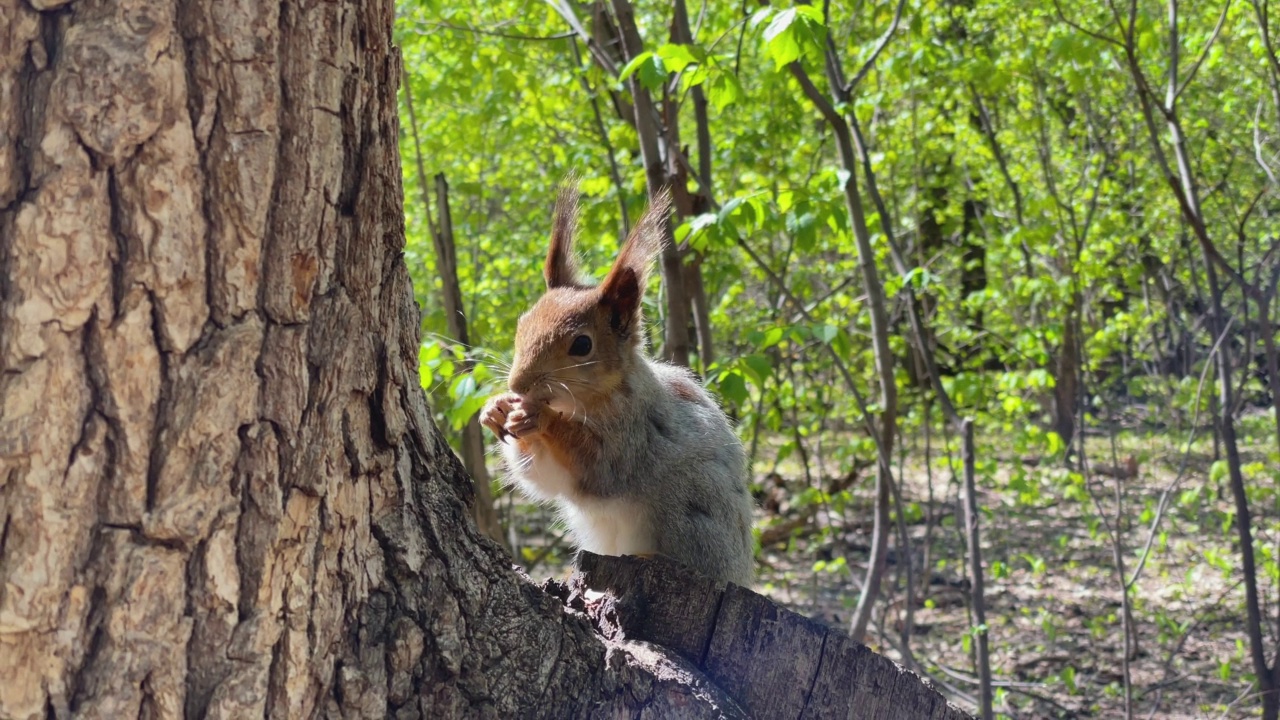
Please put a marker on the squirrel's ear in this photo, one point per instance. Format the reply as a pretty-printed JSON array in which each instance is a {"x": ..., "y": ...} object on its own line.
[
  {"x": 561, "y": 269},
  {"x": 623, "y": 288}
]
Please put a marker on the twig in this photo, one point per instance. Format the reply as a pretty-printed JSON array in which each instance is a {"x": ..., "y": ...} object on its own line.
[
  {"x": 1195, "y": 67},
  {"x": 1186, "y": 457},
  {"x": 920, "y": 670},
  {"x": 982, "y": 658},
  {"x": 1080, "y": 28},
  {"x": 604, "y": 138},
  {"x": 841, "y": 367},
  {"x": 1258, "y": 146},
  {"x": 880, "y": 46},
  {"x": 495, "y": 33},
  {"x": 565, "y": 10}
]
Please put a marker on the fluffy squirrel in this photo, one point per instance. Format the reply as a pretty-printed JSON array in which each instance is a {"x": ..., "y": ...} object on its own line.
[{"x": 639, "y": 459}]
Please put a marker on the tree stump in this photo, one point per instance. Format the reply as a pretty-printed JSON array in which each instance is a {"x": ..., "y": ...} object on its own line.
[{"x": 772, "y": 662}]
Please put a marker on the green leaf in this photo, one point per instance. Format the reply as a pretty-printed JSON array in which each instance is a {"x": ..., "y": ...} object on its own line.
[
  {"x": 825, "y": 333},
  {"x": 788, "y": 448},
  {"x": 696, "y": 231},
  {"x": 676, "y": 57},
  {"x": 758, "y": 367},
  {"x": 760, "y": 16},
  {"x": 771, "y": 337},
  {"x": 648, "y": 67},
  {"x": 725, "y": 90},
  {"x": 463, "y": 387},
  {"x": 1069, "y": 679},
  {"x": 1218, "y": 470},
  {"x": 733, "y": 387},
  {"x": 427, "y": 358},
  {"x": 793, "y": 33},
  {"x": 695, "y": 76},
  {"x": 782, "y": 44},
  {"x": 629, "y": 69}
]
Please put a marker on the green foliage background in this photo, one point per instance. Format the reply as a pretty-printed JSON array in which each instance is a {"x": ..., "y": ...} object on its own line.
[
  {"x": 507, "y": 118},
  {"x": 1024, "y": 112}
]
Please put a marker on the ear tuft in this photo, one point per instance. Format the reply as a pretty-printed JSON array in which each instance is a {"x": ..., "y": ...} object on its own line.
[
  {"x": 623, "y": 288},
  {"x": 561, "y": 269}
]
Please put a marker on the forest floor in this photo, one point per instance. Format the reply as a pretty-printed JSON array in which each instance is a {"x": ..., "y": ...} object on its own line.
[{"x": 1053, "y": 601}]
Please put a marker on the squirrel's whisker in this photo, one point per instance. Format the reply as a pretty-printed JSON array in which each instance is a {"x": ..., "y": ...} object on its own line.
[
  {"x": 572, "y": 398},
  {"x": 442, "y": 339},
  {"x": 572, "y": 367}
]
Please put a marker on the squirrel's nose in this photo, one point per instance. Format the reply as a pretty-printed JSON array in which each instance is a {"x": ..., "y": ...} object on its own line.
[{"x": 520, "y": 382}]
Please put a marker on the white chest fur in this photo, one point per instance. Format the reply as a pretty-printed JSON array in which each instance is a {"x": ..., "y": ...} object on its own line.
[
  {"x": 602, "y": 526},
  {"x": 538, "y": 474},
  {"x": 608, "y": 527}
]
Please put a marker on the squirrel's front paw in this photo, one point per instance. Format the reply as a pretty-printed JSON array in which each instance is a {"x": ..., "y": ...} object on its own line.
[
  {"x": 497, "y": 411},
  {"x": 525, "y": 419}
]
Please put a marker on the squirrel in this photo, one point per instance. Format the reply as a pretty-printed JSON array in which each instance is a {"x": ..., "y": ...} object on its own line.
[{"x": 638, "y": 457}]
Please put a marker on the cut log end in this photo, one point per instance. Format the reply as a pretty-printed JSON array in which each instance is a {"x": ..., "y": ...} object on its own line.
[{"x": 770, "y": 661}]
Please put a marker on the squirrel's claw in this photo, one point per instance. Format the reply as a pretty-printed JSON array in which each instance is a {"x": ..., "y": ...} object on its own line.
[
  {"x": 522, "y": 421},
  {"x": 495, "y": 413}
]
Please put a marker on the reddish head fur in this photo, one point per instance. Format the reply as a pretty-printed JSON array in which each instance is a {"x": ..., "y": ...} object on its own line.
[{"x": 549, "y": 365}]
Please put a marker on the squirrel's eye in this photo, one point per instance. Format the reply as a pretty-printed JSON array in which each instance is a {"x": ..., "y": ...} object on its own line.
[{"x": 581, "y": 346}]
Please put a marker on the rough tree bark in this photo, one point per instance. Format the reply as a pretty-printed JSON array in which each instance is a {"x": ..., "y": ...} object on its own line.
[
  {"x": 221, "y": 494},
  {"x": 220, "y": 491}
]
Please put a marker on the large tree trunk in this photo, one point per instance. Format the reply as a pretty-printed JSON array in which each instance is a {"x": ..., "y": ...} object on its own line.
[
  {"x": 221, "y": 494},
  {"x": 220, "y": 491}
]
